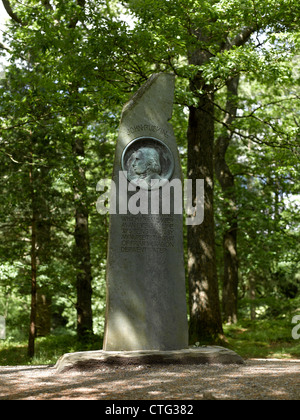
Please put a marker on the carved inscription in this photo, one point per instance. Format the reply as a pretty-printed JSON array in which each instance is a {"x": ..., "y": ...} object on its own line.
[
  {"x": 141, "y": 233},
  {"x": 147, "y": 128}
]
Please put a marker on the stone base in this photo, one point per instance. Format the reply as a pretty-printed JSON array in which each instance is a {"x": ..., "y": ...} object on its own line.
[{"x": 90, "y": 360}]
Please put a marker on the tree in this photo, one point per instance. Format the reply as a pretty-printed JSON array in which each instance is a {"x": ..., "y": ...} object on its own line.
[
  {"x": 210, "y": 44},
  {"x": 29, "y": 48},
  {"x": 205, "y": 316},
  {"x": 227, "y": 182},
  {"x": 62, "y": 53},
  {"x": 265, "y": 178}
]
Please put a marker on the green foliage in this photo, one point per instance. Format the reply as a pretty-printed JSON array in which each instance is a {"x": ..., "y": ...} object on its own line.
[
  {"x": 70, "y": 71},
  {"x": 263, "y": 339},
  {"x": 54, "y": 90},
  {"x": 48, "y": 349}
]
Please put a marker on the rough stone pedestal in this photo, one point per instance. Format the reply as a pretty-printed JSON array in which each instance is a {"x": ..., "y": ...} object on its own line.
[{"x": 90, "y": 360}]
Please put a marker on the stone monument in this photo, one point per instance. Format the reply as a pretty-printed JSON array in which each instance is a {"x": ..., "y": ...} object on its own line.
[
  {"x": 146, "y": 297},
  {"x": 146, "y": 313}
]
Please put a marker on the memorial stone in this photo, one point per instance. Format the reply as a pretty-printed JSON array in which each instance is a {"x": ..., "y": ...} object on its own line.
[{"x": 146, "y": 297}]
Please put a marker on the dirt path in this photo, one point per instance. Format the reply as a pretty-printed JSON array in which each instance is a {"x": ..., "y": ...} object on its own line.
[{"x": 257, "y": 379}]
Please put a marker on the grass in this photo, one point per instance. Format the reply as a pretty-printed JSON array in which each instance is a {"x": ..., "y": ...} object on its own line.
[
  {"x": 263, "y": 339},
  {"x": 47, "y": 349},
  {"x": 250, "y": 339}
]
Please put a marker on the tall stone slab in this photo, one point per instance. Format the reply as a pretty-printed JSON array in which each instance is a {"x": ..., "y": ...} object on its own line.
[
  {"x": 2, "y": 328},
  {"x": 146, "y": 298}
]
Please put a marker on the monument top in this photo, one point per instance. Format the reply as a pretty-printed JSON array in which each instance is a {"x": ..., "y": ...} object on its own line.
[{"x": 161, "y": 94}]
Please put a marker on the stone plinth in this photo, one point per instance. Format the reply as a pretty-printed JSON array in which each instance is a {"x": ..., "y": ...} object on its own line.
[{"x": 91, "y": 360}]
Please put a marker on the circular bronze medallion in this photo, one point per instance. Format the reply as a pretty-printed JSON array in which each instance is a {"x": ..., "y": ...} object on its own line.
[{"x": 149, "y": 162}]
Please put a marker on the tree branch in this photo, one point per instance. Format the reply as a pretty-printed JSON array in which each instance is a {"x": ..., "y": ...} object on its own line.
[
  {"x": 286, "y": 145},
  {"x": 10, "y": 157},
  {"x": 227, "y": 123},
  {"x": 3, "y": 47},
  {"x": 239, "y": 39},
  {"x": 11, "y": 13},
  {"x": 223, "y": 172}
]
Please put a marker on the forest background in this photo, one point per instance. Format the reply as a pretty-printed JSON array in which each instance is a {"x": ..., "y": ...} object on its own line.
[{"x": 68, "y": 67}]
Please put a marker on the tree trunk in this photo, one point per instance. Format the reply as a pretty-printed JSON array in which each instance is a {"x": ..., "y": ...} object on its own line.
[
  {"x": 81, "y": 234},
  {"x": 33, "y": 256},
  {"x": 226, "y": 180},
  {"x": 43, "y": 315},
  {"x": 43, "y": 238},
  {"x": 230, "y": 279},
  {"x": 252, "y": 295},
  {"x": 205, "y": 317},
  {"x": 82, "y": 246}
]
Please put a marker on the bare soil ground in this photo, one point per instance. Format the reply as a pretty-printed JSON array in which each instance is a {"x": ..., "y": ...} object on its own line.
[{"x": 258, "y": 379}]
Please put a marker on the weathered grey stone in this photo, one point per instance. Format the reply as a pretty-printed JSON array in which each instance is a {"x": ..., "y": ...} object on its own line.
[
  {"x": 146, "y": 304},
  {"x": 2, "y": 328},
  {"x": 90, "y": 360}
]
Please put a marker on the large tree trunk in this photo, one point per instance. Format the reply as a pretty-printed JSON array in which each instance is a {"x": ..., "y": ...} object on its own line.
[
  {"x": 82, "y": 246},
  {"x": 205, "y": 317},
  {"x": 226, "y": 180}
]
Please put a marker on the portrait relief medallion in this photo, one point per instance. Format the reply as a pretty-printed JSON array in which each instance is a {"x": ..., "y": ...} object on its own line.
[{"x": 149, "y": 162}]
